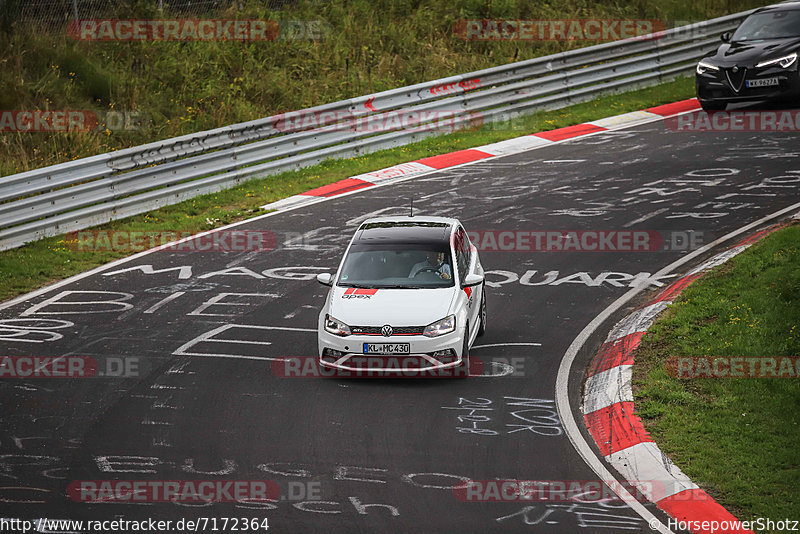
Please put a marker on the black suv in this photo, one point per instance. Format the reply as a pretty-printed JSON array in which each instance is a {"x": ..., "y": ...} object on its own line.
[{"x": 757, "y": 62}]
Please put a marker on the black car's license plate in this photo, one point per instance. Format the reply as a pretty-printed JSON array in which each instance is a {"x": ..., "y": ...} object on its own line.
[
  {"x": 763, "y": 82},
  {"x": 387, "y": 348}
]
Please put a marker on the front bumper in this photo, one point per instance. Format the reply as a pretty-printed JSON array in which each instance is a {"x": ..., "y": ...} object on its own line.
[
  {"x": 715, "y": 86},
  {"x": 346, "y": 353}
]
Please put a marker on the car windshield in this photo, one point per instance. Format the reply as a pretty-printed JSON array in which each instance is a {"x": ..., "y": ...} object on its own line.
[
  {"x": 769, "y": 25},
  {"x": 397, "y": 266}
]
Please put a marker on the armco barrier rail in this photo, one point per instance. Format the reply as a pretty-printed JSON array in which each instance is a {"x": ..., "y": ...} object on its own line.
[{"x": 90, "y": 191}]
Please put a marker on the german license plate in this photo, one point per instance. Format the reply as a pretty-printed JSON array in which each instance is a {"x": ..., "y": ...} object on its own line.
[
  {"x": 763, "y": 82},
  {"x": 387, "y": 348}
]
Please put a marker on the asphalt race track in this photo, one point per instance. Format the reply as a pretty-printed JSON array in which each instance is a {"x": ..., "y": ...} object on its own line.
[{"x": 202, "y": 400}]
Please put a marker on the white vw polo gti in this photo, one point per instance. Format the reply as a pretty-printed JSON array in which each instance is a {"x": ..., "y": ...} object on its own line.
[{"x": 408, "y": 289}]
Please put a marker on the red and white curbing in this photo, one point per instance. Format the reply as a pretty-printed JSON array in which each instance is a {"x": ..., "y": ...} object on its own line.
[
  {"x": 610, "y": 416},
  {"x": 503, "y": 148}
]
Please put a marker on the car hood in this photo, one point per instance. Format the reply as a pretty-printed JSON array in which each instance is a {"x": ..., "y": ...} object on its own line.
[
  {"x": 749, "y": 53},
  {"x": 396, "y": 307}
]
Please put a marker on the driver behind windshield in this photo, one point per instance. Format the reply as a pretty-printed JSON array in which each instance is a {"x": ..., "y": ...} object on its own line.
[{"x": 434, "y": 262}]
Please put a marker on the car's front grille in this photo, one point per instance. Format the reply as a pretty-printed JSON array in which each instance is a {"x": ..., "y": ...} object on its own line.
[
  {"x": 736, "y": 76},
  {"x": 396, "y": 330}
]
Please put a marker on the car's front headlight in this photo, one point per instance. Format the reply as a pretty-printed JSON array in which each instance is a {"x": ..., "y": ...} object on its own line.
[
  {"x": 785, "y": 61},
  {"x": 336, "y": 327},
  {"x": 440, "y": 328},
  {"x": 704, "y": 66}
]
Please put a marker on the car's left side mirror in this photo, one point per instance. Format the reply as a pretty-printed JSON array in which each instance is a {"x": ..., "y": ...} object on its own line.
[
  {"x": 472, "y": 279},
  {"x": 725, "y": 37},
  {"x": 326, "y": 279}
]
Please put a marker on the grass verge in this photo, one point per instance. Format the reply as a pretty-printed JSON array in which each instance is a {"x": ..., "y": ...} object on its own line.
[
  {"x": 39, "y": 263},
  {"x": 735, "y": 437}
]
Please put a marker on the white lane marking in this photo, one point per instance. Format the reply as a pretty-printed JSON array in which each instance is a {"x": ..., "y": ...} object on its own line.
[
  {"x": 235, "y": 357},
  {"x": 184, "y": 271},
  {"x": 499, "y": 369},
  {"x": 505, "y": 345},
  {"x": 208, "y": 337},
  {"x": 159, "y": 423},
  {"x": 162, "y": 302},
  {"x": 162, "y": 404},
  {"x": 61, "y": 300},
  {"x": 178, "y": 368},
  {"x": 564, "y": 369},
  {"x": 645, "y": 217},
  {"x": 217, "y": 300}
]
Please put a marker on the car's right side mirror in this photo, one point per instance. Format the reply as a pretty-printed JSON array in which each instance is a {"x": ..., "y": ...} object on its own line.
[
  {"x": 326, "y": 279},
  {"x": 472, "y": 279},
  {"x": 725, "y": 37}
]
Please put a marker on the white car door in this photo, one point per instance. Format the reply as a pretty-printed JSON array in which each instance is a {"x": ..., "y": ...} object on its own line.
[{"x": 466, "y": 263}]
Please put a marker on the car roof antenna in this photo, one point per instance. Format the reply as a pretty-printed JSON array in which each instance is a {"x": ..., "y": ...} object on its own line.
[{"x": 412, "y": 207}]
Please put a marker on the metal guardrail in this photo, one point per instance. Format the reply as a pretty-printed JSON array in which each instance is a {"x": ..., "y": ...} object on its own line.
[{"x": 90, "y": 191}]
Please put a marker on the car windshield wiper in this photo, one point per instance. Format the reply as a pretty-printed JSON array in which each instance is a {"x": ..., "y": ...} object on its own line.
[{"x": 357, "y": 286}]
